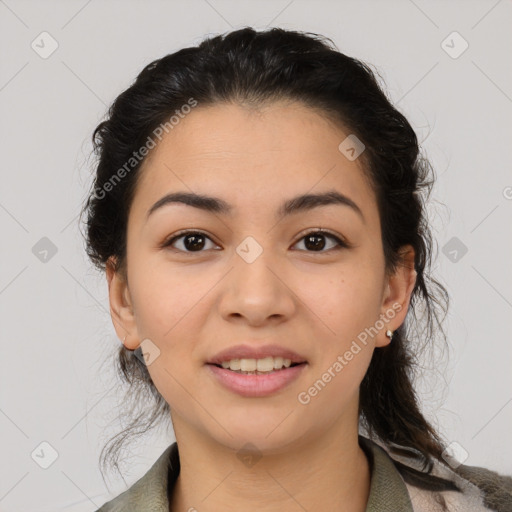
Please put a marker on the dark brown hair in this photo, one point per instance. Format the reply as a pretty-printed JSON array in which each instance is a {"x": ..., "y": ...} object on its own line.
[{"x": 251, "y": 68}]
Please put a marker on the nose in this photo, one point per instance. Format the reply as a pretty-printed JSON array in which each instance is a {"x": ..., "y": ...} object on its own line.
[{"x": 257, "y": 291}]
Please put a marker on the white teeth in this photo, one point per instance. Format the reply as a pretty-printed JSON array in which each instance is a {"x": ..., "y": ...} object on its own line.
[
  {"x": 247, "y": 365},
  {"x": 278, "y": 363},
  {"x": 266, "y": 364},
  {"x": 234, "y": 364}
]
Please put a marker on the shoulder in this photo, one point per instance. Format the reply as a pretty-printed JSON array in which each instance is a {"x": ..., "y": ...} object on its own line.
[
  {"x": 454, "y": 489},
  {"x": 495, "y": 488},
  {"x": 151, "y": 491}
]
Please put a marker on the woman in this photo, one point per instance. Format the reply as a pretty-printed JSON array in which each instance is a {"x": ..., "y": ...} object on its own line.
[{"x": 258, "y": 212}]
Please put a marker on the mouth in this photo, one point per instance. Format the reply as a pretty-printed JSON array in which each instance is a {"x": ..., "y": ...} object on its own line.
[
  {"x": 255, "y": 383},
  {"x": 255, "y": 370},
  {"x": 239, "y": 370}
]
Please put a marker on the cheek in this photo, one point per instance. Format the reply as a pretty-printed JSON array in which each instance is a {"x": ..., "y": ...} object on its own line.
[
  {"x": 172, "y": 309},
  {"x": 333, "y": 390},
  {"x": 346, "y": 304},
  {"x": 165, "y": 299},
  {"x": 347, "y": 307},
  {"x": 333, "y": 306}
]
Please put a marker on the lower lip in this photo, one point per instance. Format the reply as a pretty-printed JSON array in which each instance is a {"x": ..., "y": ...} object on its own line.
[{"x": 256, "y": 385}]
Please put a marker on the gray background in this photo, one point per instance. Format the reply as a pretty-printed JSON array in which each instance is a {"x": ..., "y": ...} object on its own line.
[{"x": 55, "y": 327}]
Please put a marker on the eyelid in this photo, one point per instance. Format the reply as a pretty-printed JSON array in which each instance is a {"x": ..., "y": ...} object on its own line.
[
  {"x": 341, "y": 241},
  {"x": 190, "y": 231}
]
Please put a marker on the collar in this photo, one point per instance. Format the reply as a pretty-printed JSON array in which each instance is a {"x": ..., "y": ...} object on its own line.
[{"x": 388, "y": 492}]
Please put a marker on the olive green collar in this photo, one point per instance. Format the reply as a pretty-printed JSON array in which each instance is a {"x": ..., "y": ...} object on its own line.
[
  {"x": 388, "y": 492},
  {"x": 387, "y": 488}
]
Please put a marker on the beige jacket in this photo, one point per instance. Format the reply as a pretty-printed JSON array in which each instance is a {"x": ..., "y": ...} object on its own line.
[{"x": 391, "y": 487}]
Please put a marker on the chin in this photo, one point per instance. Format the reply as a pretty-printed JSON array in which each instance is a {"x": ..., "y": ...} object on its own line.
[{"x": 267, "y": 436}]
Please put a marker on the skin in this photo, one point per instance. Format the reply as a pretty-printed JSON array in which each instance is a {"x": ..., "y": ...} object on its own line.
[{"x": 191, "y": 304}]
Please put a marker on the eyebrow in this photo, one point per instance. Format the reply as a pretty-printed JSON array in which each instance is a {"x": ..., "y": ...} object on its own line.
[{"x": 302, "y": 203}]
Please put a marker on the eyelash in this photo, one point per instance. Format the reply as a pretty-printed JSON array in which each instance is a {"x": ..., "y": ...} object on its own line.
[{"x": 341, "y": 243}]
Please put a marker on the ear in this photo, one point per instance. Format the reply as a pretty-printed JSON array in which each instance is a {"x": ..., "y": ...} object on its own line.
[
  {"x": 397, "y": 295},
  {"x": 121, "y": 309}
]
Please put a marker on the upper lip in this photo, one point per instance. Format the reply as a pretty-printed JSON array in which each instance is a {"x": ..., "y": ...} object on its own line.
[{"x": 260, "y": 352}]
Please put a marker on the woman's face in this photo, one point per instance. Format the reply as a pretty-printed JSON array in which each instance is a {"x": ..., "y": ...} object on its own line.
[{"x": 253, "y": 277}]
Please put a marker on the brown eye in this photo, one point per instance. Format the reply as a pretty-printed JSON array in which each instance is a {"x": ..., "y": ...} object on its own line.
[
  {"x": 191, "y": 241},
  {"x": 196, "y": 241},
  {"x": 315, "y": 241}
]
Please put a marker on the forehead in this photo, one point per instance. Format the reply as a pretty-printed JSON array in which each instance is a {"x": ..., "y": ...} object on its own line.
[{"x": 252, "y": 157}]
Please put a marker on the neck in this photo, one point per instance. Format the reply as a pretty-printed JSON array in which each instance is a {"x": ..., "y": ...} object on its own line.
[{"x": 330, "y": 472}]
